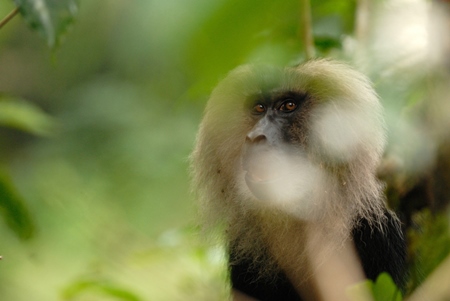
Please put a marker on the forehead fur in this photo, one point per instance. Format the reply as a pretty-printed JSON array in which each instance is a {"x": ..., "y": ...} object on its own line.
[{"x": 321, "y": 78}]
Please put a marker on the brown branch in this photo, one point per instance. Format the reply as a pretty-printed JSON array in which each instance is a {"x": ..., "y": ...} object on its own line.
[
  {"x": 362, "y": 21},
  {"x": 9, "y": 17},
  {"x": 306, "y": 29}
]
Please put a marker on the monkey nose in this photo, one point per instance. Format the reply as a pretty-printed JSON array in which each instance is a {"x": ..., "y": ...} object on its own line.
[{"x": 255, "y": 138}]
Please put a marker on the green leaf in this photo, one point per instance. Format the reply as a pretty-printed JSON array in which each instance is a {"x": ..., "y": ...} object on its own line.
[
  {"x": 24, "y": 116},
  {"x": 236, "y": 33},
  {"x": 385, "y": 289},
  {"x": 98, "y": 287},
  {"x": 49, "y": 17},
  {"x": 13, "y": 210}
]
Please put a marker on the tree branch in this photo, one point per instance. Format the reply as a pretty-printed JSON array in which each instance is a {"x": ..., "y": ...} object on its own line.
[
  {"x": 9, "y": 17},
  {"x": 306, "y": 29}
]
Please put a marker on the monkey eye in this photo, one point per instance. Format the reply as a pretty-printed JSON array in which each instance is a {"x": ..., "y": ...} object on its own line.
[
  {"x": 288, "y": 106},
  {"x": 259, "y": 108}
]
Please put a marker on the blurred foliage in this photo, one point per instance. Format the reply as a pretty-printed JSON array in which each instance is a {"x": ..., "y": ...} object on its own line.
[
  {"x": 107, "y": 289},
  {"x": 261, "y": 31},
  {"x": 429, "y": 243},
  {"x": 25, "y": 116},
  {"x": 95, "y": 137},
  {"x": 13, "y": 210},
  {"x": 50, "y": 17},
  {"x": 384, "y": 289}
]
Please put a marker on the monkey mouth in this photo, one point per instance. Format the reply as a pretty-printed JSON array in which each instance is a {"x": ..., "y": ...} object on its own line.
[
  {"x": 266, "y": 171},
  {"x": 262, "y": 167},
  {"x": 262, "y": 189},
  {"x": 260, "y": 177}
]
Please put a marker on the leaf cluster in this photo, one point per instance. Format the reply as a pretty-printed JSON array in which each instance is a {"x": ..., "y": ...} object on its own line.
[{"x": 51, "y": 18}]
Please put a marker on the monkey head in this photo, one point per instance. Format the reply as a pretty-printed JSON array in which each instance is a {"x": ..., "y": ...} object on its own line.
[{"x": 304, "y": 140}]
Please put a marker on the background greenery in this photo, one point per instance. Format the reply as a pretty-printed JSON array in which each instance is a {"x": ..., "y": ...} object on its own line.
[{"x": 96, "y": 131}]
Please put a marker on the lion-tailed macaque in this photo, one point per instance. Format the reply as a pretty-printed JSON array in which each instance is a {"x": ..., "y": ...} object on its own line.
[{"x": 286, "y": 161}]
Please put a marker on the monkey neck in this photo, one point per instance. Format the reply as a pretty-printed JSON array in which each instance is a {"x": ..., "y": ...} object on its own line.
[
  {"x": 332, "y": 274},
  {"x": 319, "y": 260},
  {"x": 304, "y": 238}
]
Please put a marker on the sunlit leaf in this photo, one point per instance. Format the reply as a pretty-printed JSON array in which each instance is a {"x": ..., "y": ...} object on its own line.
[
  {"x": 50, "y": 17},
  {"x": 13, "y": 210},
  {"x": 24, "y": 116},
  {"x": 98, "y": 287},
  {"x": 385, "y": 289}
]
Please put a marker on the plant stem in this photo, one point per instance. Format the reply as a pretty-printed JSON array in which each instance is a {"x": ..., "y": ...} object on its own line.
[
  {"x": 306, "y": 29},
  {"x": 9, "y": 17},
  {"x": 362, "y": 21}
]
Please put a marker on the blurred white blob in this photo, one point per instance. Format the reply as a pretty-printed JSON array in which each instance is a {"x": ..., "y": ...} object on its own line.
[
  {"x": 340, "y": 130},
  {"x": 401, "y": 36},
  {"x": 284, "y": 180}
]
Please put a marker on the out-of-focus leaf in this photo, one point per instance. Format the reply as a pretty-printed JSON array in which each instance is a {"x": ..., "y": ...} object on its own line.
[
  {"x": 333, "y": 18},
  {"x": 108, "y": 289},
  {"x": 429, "y": 244},
  {"x": 237, "y": 30},
  {"x": 22, "y": 115},
  {"x": 385, "y": 289},
  {"x": 50, "y": 17},
  {"x": 13, "y": 210},
  {"x": 247, "y": 31},
  {"x": 327, "y": 43}
]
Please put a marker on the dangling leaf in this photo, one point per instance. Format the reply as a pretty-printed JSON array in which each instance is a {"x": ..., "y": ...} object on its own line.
[
  {"x": 13, "y": 210},
  {"x": 24, "y": 116},
  {"x": 50, "y": 17}
]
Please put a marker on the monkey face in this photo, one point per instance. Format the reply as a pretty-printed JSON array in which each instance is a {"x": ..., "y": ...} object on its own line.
[{"x": 273, "y": 159}]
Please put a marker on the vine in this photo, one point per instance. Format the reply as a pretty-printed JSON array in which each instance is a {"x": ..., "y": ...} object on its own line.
[{"x": 9, "y": 17}]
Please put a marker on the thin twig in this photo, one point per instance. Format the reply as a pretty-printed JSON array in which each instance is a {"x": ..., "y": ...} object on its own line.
[
  {"x": 362, "y": 21},
  {"x": 306, "y": 28},
  {"x": 9, "y": 17}
]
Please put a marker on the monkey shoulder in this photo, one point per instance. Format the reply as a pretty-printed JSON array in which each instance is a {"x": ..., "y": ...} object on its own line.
[
  {"x": 246, "y": 278},
  {"x": 382, "y": 248}
]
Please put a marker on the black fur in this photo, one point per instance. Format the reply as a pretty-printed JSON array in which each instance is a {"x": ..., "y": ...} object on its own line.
[{"x": 379, "y": 251}]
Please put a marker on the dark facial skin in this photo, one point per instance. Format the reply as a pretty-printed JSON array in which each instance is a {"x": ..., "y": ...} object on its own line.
[
  {"x": 275, "y": 113},
  {"x": 271, "y": 138}
]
